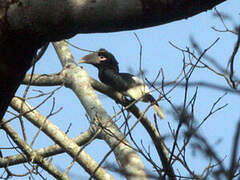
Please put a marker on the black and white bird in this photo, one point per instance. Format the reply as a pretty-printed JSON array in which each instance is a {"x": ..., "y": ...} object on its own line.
[{"x": 128, "y": 84}]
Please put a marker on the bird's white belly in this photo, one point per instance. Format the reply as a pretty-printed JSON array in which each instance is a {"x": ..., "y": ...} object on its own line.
[{"x": 137, "y": 92}]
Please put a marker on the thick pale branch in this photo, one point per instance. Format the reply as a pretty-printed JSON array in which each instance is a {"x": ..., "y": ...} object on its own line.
[
  {"x": 32, "y": 155},
  {"x": 45, "y": 152},
  {"x": 60, "y": 138},
  {"x": 43, "y": 79}
]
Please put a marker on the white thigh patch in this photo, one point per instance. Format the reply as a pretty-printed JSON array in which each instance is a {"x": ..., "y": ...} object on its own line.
[{"x": 139, "y": 90}]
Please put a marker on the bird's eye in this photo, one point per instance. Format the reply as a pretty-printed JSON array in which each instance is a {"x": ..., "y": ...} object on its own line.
[{"x": 102, "y": 58}]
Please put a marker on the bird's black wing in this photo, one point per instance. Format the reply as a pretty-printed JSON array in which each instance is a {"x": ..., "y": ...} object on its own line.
[
  {"x": 133, "y": 81},
  {"x": 113, "y": 79}
]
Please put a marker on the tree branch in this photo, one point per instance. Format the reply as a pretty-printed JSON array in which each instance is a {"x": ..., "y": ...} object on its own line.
[
  {"x": 32, "y": 155},
  {"x": 43, "y": 79},
  {"x": 59, "y": 138},
  {"x": 47, "y": 151}
]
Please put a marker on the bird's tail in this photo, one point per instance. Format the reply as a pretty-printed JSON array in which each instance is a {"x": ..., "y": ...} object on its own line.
[
  {"x": 159, "y": 111},
  {"x": 157, "y": 108}
]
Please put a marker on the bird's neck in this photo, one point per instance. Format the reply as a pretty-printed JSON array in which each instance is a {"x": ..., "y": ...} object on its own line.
[
  {"x": 108, "y": 67},
  {"x": 106, "y": 74}
]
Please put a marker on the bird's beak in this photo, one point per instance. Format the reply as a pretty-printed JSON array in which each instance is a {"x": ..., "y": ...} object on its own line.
[
  {"x": 82, "y": 61},
  {"x": 89, "y": 59}
]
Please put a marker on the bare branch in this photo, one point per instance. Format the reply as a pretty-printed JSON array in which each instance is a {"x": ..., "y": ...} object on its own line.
[
  {"x": 32, "y": 155},
  {"x": 234, "y": 166},
  {"x": 44, "y": 79},
  {"x": 49, "y": 151},
  {"x": 231, "y": 61},
  {"x": 60, "y": 138}
]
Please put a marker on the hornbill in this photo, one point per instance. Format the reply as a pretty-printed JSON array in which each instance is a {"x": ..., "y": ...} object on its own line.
[{"x": 128, "y": 84}]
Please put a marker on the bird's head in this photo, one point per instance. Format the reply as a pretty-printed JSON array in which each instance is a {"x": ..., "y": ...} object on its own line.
[{"x": 101, "y": 59}]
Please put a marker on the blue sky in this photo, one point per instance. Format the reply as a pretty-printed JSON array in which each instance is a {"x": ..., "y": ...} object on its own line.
[{"x": 157, "y": 53}]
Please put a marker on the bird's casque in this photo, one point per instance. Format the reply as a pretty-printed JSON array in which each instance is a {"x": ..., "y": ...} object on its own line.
[
  {"x": 127, "y": 84},
  {"x": 101, "y": 59}
]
